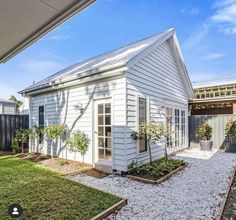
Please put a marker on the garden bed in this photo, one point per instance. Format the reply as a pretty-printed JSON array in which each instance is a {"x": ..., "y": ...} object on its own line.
[
  {"x": 156, "y": 173},
  {"x": 62, "y": 166},
  {"x": 229, "y": 205}
]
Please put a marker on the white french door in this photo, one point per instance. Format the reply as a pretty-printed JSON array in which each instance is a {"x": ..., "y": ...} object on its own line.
[{"x": 103, "y": 126}]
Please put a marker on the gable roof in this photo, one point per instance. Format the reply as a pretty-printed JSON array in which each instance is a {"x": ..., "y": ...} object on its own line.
[{"x": 110, "y": 60}]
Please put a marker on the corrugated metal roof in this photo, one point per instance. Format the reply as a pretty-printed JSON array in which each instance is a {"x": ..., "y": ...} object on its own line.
[{"x": 93, "y": 65}]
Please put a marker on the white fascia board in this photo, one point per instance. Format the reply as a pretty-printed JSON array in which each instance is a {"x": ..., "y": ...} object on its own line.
[
  {"x": 88, "y": 79},
  {"x": 182, "y": 67},
  {"x": 144, "y": 52}
]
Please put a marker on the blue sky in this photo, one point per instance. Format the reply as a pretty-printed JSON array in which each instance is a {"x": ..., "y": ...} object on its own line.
[{"x": 206, "y": 30}]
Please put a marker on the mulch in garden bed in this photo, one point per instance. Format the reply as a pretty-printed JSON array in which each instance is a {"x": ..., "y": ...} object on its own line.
[
  {"x": 230, "y": 202},
  {"x": 95, "y": 173},
  {"x": 63, "y": 166}
]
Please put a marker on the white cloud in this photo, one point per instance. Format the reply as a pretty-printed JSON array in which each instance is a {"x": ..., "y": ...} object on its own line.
[
  {"x": 213, "y": 56},
  {"x": 225, "y": 16},
  {"x": 197, "y": 36}
]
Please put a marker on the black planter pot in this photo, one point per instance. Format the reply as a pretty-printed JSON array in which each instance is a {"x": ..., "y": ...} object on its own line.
[
  {"x": 206, "y": 145},
  {"x": 231, "y": 147}
]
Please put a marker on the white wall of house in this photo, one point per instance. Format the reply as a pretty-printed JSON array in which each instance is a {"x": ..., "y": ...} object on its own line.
[
  {"x": 59, "y": 107},
  {"x": 7, "y": 108},
  {"x": 155, "y": 77}
]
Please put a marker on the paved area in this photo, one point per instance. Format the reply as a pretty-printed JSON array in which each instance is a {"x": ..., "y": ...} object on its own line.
[{"x": 194, "y": 193}]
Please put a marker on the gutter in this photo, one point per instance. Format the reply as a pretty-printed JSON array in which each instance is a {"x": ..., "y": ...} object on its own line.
[{"x": 108, "y": 71}]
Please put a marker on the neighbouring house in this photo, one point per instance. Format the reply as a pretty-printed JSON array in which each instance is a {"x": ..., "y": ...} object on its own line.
[
  {"x": 110, "y": 95},
  {"x": 214, "y": 98},
  {"x": 7, "y": 107}
]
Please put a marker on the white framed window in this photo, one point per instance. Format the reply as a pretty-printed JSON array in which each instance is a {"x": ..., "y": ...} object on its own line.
[
  {"x": 142, "y": 119},
  {"x": 183, "y": 127},
  {"x": 41, "y": 122},
  {"x": 169, "y": 118},
  {"x": 177, "y": 128}
]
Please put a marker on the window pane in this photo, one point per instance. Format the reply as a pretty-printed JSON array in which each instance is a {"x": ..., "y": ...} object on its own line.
[
  {"x": 142, "y": 110},
  {"x": 100, "y": 120},
  {"x": 100, "y": 142},
  {"x": 100, "y": 131},
  {"x": 108, "y": 131},
  {"x": 142, "y": 119},
  {"x": 107, "y": 142},
  {"x": 101, "y": 153},
  {"x": 108, "y": 154},
  {"x": 108, "y": 108},
  {"x": 100, "y": 109},
  {"x": 107, "y": 120},
  {"x": 142, "y": 145}
]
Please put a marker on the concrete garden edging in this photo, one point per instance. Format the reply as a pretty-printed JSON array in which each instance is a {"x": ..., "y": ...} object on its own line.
[{"x": 162, "y": 179}]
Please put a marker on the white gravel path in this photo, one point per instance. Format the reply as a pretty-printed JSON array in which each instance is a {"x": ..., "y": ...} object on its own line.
[{"x": 194, "y": 193}]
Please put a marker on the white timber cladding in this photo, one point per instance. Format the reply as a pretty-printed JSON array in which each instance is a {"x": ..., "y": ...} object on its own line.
[
  {"x": 155, "y": 77},
  {"x": 59, "y": 107},
  {"x": 8, "y": 108}
]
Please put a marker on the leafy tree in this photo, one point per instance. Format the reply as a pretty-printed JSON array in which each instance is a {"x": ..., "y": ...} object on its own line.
[
  {"x": 35, "y": 132},
  {"x": 78, "y": 142},
  {"x": 19, "y": 103},
  {"x": 22, "y": 136},
  {"x": 153, "y": 132},
  {"x": 163, "y": 131},
  {"x": 54, "y": 132},
  {"x": 149, "y": 132}
]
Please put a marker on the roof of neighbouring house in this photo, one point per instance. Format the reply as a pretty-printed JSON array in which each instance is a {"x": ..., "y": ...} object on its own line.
[
  {"x": 6, "y": 101},
  {"x": 113, "y": 59}
]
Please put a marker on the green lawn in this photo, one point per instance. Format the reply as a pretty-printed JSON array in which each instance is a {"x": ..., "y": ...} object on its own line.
[{"x": 43, "y": 194}]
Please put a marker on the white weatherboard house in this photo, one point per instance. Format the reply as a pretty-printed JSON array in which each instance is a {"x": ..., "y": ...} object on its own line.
[{"x": 108, "y": 96}]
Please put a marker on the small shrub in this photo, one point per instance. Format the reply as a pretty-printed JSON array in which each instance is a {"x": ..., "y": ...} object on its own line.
[
  {"x": 62, "y": 162},
  {"x": 15, "y": 147},
  {"x": 230, "y": 129},
  {"x": 204, "y": 130},
  {"x": 155, "y": 170},
  {"x": 234, "y": 210},
  {"x": 134, "y": 135}
]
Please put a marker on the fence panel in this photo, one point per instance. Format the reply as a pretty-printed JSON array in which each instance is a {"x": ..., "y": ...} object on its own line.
[
  {"x": 217, "y": 122},
  {"x": 8, "y": 126}
]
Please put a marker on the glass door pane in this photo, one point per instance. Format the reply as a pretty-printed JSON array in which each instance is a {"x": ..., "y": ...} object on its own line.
[{"x": 104, "y": 130}]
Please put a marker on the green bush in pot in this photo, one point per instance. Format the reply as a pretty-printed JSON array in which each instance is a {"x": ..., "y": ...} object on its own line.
[
  {"x": 205, "y": 131},
  {"x": 230, "y": 132}
]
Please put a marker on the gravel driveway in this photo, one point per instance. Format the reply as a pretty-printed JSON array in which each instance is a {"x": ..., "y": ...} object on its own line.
[{"x": 194, "y": 193}]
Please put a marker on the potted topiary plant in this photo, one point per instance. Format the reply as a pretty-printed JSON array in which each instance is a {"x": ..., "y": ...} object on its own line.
[
  {"x": 230, "y": 132},
  {"x": 204, "y": 131}
]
